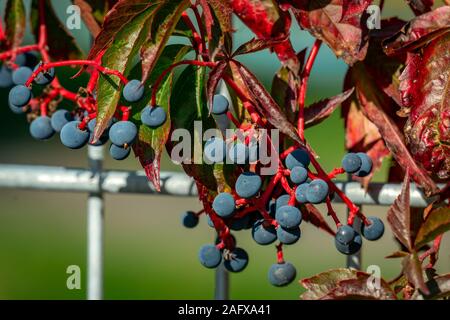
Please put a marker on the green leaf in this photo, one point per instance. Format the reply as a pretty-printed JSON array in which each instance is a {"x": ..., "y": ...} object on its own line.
[
  {"x": 61, "y": 44},
  {"x": 163, "y": 24},
  {"x": 436, "y": 223},
  {"x": 15, "y": 21},
  {"x": 119, "y": 56},
  {"x": 150, "y": 142}
]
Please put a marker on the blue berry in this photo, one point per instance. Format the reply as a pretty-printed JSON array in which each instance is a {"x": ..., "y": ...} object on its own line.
[
  {"x": 21, "y": 75},
  {"x": 317, "y": 191},
  {"x": 72, "y": 136},
  {"x": 16, "y": 109},
  {"x": 300, "y": 192},
  {"x": 288, "y": 216},
  {"x": 21, "y": 59},
  {"x": 60, "y": 118},
  {"x": 351, "y": 162},
  {"x": 248, "y": 185},
  {"x": 210, "y": 256},
  {"x": 224, "y": 205},
  {"x": 366, "y": 165},
  {"x": 263, "y": 232},
  {"x": 5, "y": 77},
  {"x": 238, "y": 153},
  {"x": 20, "y": 95},
  {"x": 253, "y": 150},
  {"x": 298, "y": 157},
  {"x": 153, "y": 117},
  {"x": 282, "y": 274},
  {"x": 189, "y": 219},
  {"x": 44, "y": 77},
  {"x": 352, "y": 247},
  {"x": 299, "y": 175},
  {"x": 123, "y": 133},
  {"x": 345, "y": 234},
  {"x": 104, "y": 139},
  {"x": 220, "y": 104},
  {"x": 282, "y": 200},
  {"x": 41, "y": 128},
  {"x": 118, "y": 153},
  {"x": 236, "y": 260},
  {"x": 214, "y": 151},
  {"x": 374, "y": 231},
  {"x": 133, "y": 91},
  {"x": 241, "y": 223},
  {"x": 288, "y": 236}
]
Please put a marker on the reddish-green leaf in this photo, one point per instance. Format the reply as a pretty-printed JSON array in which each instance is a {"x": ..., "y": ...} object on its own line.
[
  {"x": 213, "y": 80},
  {"x": 338, "y": 23},
  {"x": 221, "y": 28},
  {"x": 321, "y": 284},
  {"x": 267, "y": 21},
  {"x": 419, "y": 31},
  {"x": 425, "y": 90},
  {"x": 255, "y": 45},
  {"x": 61, "y": 44},
  {"x": 319, "y": 111},
  {"x": 163, "y": 24},
  {"x": 412, "y": 268},
  {"x": 403, "y": 223},
  {"x": 266, "y": 105},
  {"x": 15, "y": 21},
  {"x": 93, "y": 12},
  {"x": 119, "y": 56},
  {"x": 437, "y": 222}
]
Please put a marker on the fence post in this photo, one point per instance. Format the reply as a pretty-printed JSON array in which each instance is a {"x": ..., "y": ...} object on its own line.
[{"x": 95, "y": 229}]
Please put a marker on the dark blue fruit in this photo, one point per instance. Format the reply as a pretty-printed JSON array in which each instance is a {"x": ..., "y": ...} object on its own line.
[
  {"x": 16, "y": 109},
  {"x": 153, "y": 117},
  {"x": 72, "y": 136},
  {"x": 282, "y": 274},
  {"x": 123, "y": 133},
  {"x": 224, "y": 205},
  {"x": 263, "y": 233},
  {"x": 19, "y": 95},
  {"x": 248, "y": 184},
  {"x": 118, "y": 153},
  {"x": 215, "y": 150},
  {"x": 288, "y": 217},
  {"x": 345, "y": 234},
  {"x": 210, "y": 256},
  {"x": 298, "y": 157},
  {"x": 300, "y": 192},
  {"x": 351, "y": 162},
  {"x": 220, "y": 104},
  {"x": 21, "y": 75},
  {"x": 133, "y": 91},
  {"x": 236, "y": 260},
  {"x": 41, "y": 128},
  {"x": 366, "y": 165},
  {"x": 5, "y": 77},
  {"x": 44, "y": 77},
  {"x": 189, "y": 219},
  {"x": 350, "y": 248},
  {"x": 60, "y": 118},
  {"x": 288, "y": 236},
  {"x": 104, "y": 139},
  {"x": 282, "y": 200},
  {"x": 317, "y": 191},
  {"x": 241, "y": 223},
  {"x": 238, "y": 153},
  {"x": 374, "y": 231},
  {"x": 299, "y": 175}
]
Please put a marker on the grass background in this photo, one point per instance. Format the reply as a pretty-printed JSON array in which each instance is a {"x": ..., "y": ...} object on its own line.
[{"x": 148, "y": 254}]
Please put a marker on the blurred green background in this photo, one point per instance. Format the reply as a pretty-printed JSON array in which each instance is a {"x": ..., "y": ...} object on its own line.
[{"x": 148, "y": 254}]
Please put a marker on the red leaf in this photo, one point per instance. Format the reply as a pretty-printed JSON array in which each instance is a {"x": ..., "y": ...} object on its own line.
[
  {"x": 425, "y": 91},
  {"x": 208, "y": 17},
  {"x": 265, "y": 19},
  {"x": 338, "y": 23},
  {"x": 213, "y": 80},
  {"x": 255, "y": 45},
  {"x": 412, "y": 268},
  {"x": 266, "y": 105},
  {"x": 312, "y": 215},
  {"x": 321, "y": 110},
  {"x": 419, "y": 31}
]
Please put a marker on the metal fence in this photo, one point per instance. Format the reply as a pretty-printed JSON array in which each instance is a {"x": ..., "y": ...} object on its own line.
[{"x": 97, "y": 181}]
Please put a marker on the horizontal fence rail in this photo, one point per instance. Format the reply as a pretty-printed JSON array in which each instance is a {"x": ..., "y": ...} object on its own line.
[{"x": 172, "y": 183}]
